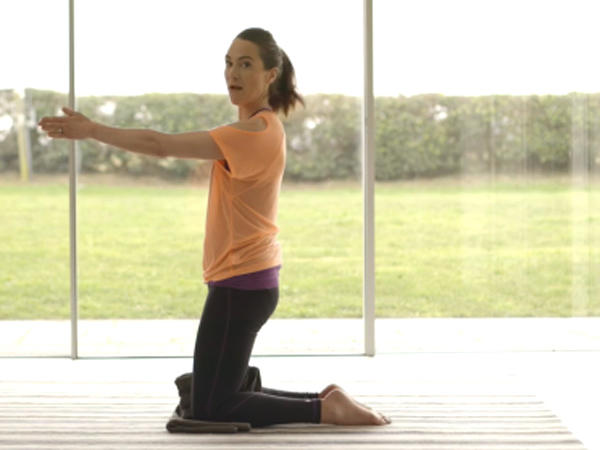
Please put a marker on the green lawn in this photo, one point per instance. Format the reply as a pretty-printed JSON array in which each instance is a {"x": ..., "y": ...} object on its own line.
[{"x": 447, "y": 249}]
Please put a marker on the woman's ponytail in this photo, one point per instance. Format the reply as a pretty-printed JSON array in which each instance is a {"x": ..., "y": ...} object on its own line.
[{"x": 282, "y": 92}]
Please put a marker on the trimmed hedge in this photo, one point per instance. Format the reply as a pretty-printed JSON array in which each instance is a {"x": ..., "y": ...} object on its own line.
[{"x": 421, "y": 136}]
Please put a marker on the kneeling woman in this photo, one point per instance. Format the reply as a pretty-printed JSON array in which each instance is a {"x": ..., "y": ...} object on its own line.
[{"x": 242, "y": 257}]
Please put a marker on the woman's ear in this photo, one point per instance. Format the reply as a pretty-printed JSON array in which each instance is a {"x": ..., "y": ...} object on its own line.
[{"x": 273, "y": 74}]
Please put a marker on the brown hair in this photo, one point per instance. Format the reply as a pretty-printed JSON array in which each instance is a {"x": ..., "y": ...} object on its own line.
[{"x": 282, "y": 92}]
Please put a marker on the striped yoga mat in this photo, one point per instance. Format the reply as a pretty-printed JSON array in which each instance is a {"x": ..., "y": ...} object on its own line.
[{"x": 116, "y": 416}]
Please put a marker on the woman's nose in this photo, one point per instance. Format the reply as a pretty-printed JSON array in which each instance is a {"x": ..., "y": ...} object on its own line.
[
  {"x": 231, "y": 76},
  {"x": 235, "y": 70}
]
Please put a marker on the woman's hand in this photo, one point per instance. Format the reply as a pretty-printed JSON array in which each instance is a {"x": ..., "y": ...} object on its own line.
[{"x": 72, "y": 126}]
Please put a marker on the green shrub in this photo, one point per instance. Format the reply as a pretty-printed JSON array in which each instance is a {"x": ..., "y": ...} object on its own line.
[{"x": 421, "y": 136}]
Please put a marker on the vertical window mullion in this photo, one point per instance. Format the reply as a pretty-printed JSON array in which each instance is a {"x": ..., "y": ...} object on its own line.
[
  {"x": 73, "y": 190},
  {"x": 368, "y": 174}
]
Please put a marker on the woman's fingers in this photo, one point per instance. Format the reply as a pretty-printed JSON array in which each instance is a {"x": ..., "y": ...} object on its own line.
[
  {"x": 56, "y": 135},
  {"x": 73, "y": 125},
  {"x": 52, "y": 121},
  {"x": 53, "y": 126}
]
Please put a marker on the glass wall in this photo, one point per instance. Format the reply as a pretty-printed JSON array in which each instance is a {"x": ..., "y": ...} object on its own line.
[
  {"x": 488, "y": 152},
  {"x": 34, "y": 195},
  {"x": 141, "y": 219}
]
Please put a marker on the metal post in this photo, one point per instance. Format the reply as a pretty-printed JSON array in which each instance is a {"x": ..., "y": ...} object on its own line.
[
  {"x": 368, "y": 183},
  {"x": 73, "y": 189}
]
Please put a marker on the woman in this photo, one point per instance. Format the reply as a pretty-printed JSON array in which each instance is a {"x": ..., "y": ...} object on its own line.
[{"x": 241, "y": 254}]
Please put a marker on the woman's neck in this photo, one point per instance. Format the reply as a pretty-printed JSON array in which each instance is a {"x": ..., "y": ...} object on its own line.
[{"x": 246, "y": 112}]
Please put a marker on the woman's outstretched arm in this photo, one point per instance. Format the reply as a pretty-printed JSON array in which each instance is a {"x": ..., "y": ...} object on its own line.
[{"x": 74, "y": 125}]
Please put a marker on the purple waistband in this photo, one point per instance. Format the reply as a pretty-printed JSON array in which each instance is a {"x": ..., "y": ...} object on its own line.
[{"x": 263, "y": 279}]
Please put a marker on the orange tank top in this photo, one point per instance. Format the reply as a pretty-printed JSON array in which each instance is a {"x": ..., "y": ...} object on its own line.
[{"x": 241, "y": 222}]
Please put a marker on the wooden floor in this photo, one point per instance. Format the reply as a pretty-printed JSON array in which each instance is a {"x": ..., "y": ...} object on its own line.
[{"x": 440, "y": 402}]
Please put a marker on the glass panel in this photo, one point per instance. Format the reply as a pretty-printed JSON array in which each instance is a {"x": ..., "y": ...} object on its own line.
[
  {"x": 142, "y": 219},
  {"x": 34, "y": 191},
  {"x": 487, "y": 162}
]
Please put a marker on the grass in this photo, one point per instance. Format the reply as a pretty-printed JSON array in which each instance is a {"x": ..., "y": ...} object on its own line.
[{"x": 443, "y": 249}]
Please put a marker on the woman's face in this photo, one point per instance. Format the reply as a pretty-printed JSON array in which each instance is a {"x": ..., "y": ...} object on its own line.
[{"x": 247, "y": 80}]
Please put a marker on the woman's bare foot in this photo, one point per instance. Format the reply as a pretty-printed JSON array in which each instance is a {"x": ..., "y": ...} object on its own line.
[
  {"x": 339, "y": 409},
  {"x": 334, "y": 387}
]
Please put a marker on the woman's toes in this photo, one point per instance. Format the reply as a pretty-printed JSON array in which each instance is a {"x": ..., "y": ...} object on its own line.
[
  {"x": 378, "y": 419},
  {"x": 386, "y": 419}
]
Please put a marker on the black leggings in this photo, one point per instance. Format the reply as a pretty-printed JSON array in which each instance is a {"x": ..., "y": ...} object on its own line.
[{"x": 230, "y": 322}]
